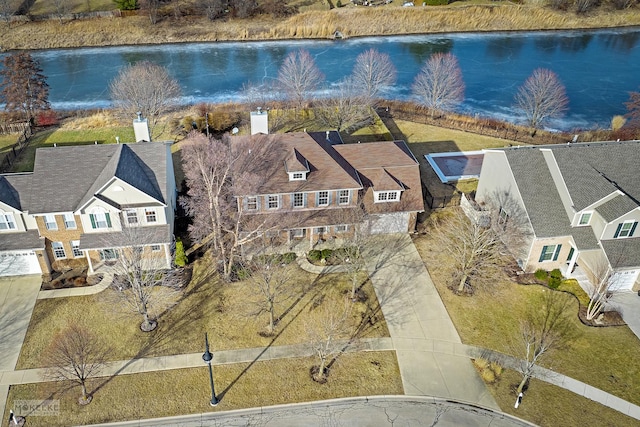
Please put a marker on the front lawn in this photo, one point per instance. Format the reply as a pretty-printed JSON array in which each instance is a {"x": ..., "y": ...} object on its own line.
[
  {"x": 187, "y": 391},
  {"x": 604, "y": 357},
  {"x": 208, "y": 305}
]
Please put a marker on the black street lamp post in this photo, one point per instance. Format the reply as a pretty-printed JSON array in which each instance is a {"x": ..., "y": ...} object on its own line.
[{"x": 207, "y": 357}]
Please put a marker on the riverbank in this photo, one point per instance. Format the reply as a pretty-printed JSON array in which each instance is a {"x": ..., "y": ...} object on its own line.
[{"x": 349, "y": 21}]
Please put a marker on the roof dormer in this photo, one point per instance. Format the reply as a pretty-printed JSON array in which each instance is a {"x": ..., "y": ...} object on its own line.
[
  {"x": 386, "y": 188},
  {"x": 296, "y": 166}
]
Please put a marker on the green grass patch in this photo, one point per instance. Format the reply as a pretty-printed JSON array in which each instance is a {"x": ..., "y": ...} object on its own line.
[
  {"x": 604, "y": 357},
  {"x": 547, "y": 405},
  {"x": 187, "y": 391},
  {"x": 7, "y": 140},
  {"x": 208, "y": 305},
  {"x": 47, "y": 7},
  {"x": 573, "y": 287}
]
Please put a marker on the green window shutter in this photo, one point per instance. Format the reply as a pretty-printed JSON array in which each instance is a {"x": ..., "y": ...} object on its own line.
[
  {"x": 557, "y": 253},
  {"x": 93, "y": 221},
  {"x": 544, "y": 251},
  {"x": 617, "y": 231},
  {"x": 108, "y": 217},
  {"x": 633, "y": 229}
]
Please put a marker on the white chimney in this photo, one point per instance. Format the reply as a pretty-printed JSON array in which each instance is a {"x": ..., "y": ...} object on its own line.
[
  {"x": 259, "y": 122},
  {"x": 141, "y": 129}
]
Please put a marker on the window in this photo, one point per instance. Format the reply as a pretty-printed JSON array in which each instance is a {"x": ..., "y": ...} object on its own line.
[
  {"x": 132, "y": 216},
  {"x": 298, "y": 200},
  {"x": 343, "y": 197},
  {"x": 58, "y": 250},
  {"x": 323, "y": 198},
  {"x": 100, "y": 220},
  {"x": 386, "y": 196},
  {"x": 585, "y": 218},
  {"x": 155, "y": 248},
  {"x": 550, "y": 253},
  {"x": 69, "y": 221},
  {"x": 108, "y": 254},
  {"x": 297, "y": 232},
  {"x": 150, "y": 215},
  {"x": 626, "y": 229},
  {"x": 252, "y": 203},
  {"x": 50, "y": 222},
  {"x": 7, "y": 222},
  {"x": 75, "y": 248},
  {"x": 273, "y": 202},
  {"x": 341, "y": 228},
  {"x": 503, "y": 217},
  {"x": 320, "y": 230},
  {"x": 297, "y": 176}
]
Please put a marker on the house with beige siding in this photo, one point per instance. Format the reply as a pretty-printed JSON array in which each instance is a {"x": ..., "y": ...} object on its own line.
[
  {"x": 580, "y": 203},
  {"x": 79, "y": 201}
]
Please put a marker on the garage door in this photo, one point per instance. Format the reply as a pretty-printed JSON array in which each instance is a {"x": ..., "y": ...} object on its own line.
[
  {"x": 17, "y": 263},
  {"x": 389, "y": 223},
  {"x": 624, "y": 280}
]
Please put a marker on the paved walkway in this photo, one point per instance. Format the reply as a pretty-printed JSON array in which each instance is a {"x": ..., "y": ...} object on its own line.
[
  {"x": 85, "y": 290},
  {"x": 420, "y": 327}
]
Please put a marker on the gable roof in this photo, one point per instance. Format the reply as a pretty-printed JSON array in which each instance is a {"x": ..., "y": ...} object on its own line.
[
  {"x": 12, "y": 186},
  {"x": 616, "y": 207},
  {"x": 541, "y": 199},
  {"x": 65, "y": 178},
  {"x": 622, "y": 253}
]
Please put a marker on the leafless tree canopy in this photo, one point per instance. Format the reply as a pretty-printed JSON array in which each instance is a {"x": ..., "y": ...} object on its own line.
[
  {"x": 372, "y": 72},
  {"x": 602, "y": 281},
  {"x": 216, "y": 172},
  {"x": 76, "y": 355},
  {"x": 142, "y": 283},
  {"x": 6, "y": 9},
  {"x": 62, "y": 7},
  {"x": 299, "y": 76},
  {"x": 24, "y": 87},
  {"x": 152, "y": 9},
  {"x": 541, "y": 97},
  {"x": 633, "y": 110},
  {"x": 473, "y": 247},
  {"x": 346, "y": 106},
  {"x": 147, "y": 88},
  {"x": 547, "y": 326},
  {"x": 439, "y": 84}
]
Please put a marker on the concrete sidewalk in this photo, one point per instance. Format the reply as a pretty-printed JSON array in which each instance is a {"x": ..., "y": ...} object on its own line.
[{"x": 421, "y": 330}]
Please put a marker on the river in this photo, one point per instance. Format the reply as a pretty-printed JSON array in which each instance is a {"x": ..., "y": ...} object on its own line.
[{"x": 599, "y": 68}]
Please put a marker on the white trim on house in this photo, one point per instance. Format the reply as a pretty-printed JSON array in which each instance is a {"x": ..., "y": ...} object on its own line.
[{"x": 386, "y": 196}]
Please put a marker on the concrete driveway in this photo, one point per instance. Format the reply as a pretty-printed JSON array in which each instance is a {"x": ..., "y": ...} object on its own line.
[{"x": 18, "y": 295}]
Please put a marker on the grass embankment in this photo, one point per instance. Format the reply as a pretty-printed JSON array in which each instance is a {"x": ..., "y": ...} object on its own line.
[
  {"x": 208, "y": 305},
  {"x": 350, "y": 21},
  {"x": 187, "y": 391},
  {"x": 602, "y": 357}
]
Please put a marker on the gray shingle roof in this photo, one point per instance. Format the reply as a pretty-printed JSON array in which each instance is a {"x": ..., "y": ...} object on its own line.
[
  {"x": 616, "y": 207},
  {"x": 622, "y": 252},
  {"x": 21, "y": 241},
  {"x": 154, "y": 235},
  {"x": 13, "y": 188},
  {"x": 64, "y": 178},
  {"x": 542, "y": 201}
]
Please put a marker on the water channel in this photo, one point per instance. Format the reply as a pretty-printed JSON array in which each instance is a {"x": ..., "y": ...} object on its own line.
[{"x": 599, "y": 68}]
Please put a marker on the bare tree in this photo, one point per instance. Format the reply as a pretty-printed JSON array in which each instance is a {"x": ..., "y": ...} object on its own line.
[
  {"x": 217, "y": 173},
  {"x": 299, "y": 76},
  {"x": 541, "y": 97},
  {"x": 24, "y": 87},
  {"x": 633, "y": 109},
  {"x": 372, "y": 72},
  {"x": 147, "y": 88},
  {"x": 474, "y": 247},
  {"x": 346, "y": 106},
  {"x": 602, "y": 281},
  {"x": 545, "y": 328},
  {"x": 272, "y": 284},
  {"x": 439, "y": 85},
  {"x": 143, "y": 282},
  {"x": 215, "y": 9},
  {"x": 152, "y": 9},
  {"x": 62, "y": 8},
  {"x": 328, "y": 335},
  {"x": 76, "y": 355}
]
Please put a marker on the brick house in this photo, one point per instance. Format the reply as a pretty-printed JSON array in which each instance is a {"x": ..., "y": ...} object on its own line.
[
  {"x": 580, "y": 203},
  {"x": 72, "y": 209},
  {"x": 315, "y": 181}
]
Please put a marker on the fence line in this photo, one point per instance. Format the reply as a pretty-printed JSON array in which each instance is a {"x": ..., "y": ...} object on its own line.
[
  {"x": 6, "y": 128},
  {"x": 16, "y": 149}
]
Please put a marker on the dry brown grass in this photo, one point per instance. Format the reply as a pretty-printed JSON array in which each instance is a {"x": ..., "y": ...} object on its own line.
[
  {"x": 208, "y": 305},
  {"x": 602, "y": 357},
  {"x": 351, "y": 21},
  {"x": 187, "y": 391}
]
